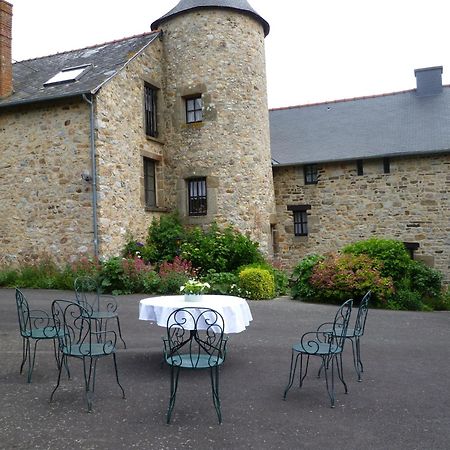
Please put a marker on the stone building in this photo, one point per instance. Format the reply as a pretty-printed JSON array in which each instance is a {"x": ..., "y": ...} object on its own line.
[
  {"x": 96, "y": 142},
  {"x": 366, "y": 167}
]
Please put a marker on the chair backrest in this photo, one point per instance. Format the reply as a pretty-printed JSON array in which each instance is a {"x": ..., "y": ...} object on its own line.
[
  {"x": 195, "y": 337},
  {"x": 361, "y": 317},
  {"x": 23, "y": 313},
  {"x": 340, "y": 324},
  {"x": 76, "y": 331},
  {"x": 87, "y": 293}
]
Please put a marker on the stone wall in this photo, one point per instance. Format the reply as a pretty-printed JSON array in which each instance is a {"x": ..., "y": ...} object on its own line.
[
  {"x": 219, "y": 54},
  {"x": 121, "y": 144},
  {"x": 45, "y": 204},
  {"x": 410, "y": 204}
]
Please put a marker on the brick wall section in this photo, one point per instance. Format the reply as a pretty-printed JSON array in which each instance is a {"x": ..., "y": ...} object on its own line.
[
  {"x": 411, "y": 204},
  {"x": 5, "y": 49},
  {"x": 220, "y": 54},
  {"x": 45, "y": 205},
  {"x": 121, "y": 144}
]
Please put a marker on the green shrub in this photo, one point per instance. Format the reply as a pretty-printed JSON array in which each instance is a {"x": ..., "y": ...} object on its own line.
[
  {"x": 173, "y": 275},
  {"x": 301, "y": 287},
  {"x": 219, "y": 250},
  {"x": 257, "y": 283},
  {"x": 221, "y": 283},
  {"x": 164, "y": 238},
  {"x": 8, "y": 277},
  {"x": 393, "y": 254},
  {"x": 280, "y": 277}
]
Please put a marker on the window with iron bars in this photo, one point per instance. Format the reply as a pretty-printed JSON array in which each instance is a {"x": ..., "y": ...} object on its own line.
[
  {"x": 150, "y": 182},
  {"x": 197, "y": 197},
  {"x": 150, "y": 110}
]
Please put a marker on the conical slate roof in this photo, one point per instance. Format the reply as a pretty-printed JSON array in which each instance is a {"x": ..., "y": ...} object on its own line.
[{"x": 189, "y": 5}]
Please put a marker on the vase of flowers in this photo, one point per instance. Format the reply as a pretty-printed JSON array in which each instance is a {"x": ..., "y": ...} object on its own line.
[{"x": 193, "y": 290}]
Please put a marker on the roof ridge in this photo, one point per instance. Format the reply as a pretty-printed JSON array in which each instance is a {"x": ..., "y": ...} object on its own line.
[
  {"x": 349, "y": 99},
  {"x": 114, "y": 41}
]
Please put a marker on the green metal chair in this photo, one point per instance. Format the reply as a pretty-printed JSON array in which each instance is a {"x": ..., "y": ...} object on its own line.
[
  {"x": 355, "y": 333},
  {"x": 326, "y": 344},
  {"x": 79, "y": 338},
  {"x": 36, "y": 325},
  {"x": 99, "y": 306},
  {"x": 195, "y": 341}
]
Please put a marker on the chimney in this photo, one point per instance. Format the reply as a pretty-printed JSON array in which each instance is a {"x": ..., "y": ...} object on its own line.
[
  {"x": 429, "y": 81},
  {"x": 6, "y": 87}
]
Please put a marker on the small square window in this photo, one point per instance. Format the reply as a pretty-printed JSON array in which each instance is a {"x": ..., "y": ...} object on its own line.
[
  {"x": 197, "y": 197},
  {"x": 194, "y": 109},
  {"x": 311, "y": 174}
]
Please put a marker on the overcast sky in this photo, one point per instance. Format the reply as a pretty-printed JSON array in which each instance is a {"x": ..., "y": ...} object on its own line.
[{"x": 317, "y": 50}]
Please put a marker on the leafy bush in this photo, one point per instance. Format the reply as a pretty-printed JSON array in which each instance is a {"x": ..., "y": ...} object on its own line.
[
  {"x": 222, "y": 283},
  {"x": 174, "y": 274},
  {"x": 301, "y": 287},
  {"x": 258, "y": 283},
  {"x": 280, "y": 277},
  {"x": 339, "y": 277},
  {"x": 393, "y": 254},
  {"x": 219, "y": 250},
  {"x": 164, "y": 238}
]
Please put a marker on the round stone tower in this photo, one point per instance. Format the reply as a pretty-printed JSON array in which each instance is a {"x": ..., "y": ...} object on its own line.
[{"x": 217, "y": 160}]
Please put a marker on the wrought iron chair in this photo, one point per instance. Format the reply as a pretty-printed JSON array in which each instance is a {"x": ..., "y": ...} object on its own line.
[
  {"x": 355, "y": 333},
  {"x": 34, "y": 325},
  {"x": 195, "y": 340},
  {"x": 326, "y": 344},
  {"x": 79, "y": 338},
  {"x": 99, "y": 306}
]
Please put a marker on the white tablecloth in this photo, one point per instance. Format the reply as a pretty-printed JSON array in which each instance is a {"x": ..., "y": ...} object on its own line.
[{"x": 235, "y": 310}]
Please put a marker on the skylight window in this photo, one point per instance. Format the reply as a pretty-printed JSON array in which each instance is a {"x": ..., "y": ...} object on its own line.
[{"x": 68, "y": 75}]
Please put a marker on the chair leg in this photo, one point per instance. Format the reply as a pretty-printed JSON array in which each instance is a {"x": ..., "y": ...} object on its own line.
[
  {"x": 31, "y": 360},
  {"x": 62, "y": 362},
  {"x": 87, "y": 372},
  {"x": 330, "y": 390},
  {"x": 358, "y": 357},
  {"x": 120, "y": 332},
  {"x": 117, "y": 375},
  {"x": 292, "y": 370},
  {"x": 215, "y": 391},
  {"x": 340, "y": 370},
  {"x": 25, "y": 350},
  {"x": 174, "y": 374}
]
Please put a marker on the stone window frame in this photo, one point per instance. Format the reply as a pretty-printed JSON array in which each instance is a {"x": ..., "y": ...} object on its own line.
[
  {"x": 157, "y": 177},
  {"x": 311, "y": 174},
  {"x": 197, "y": 196},
  {"x": 151, "y": 110},
  {"x": 194, "y": 108},
  {"x": 300, "y": 217}
]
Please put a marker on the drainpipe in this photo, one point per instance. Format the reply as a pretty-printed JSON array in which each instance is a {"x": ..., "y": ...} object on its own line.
[{"x": 93, "y": 171}]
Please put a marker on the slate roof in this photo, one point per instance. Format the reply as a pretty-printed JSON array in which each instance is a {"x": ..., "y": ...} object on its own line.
[
  {"x": 371, "y": 127},
  {"x": 187, "y": 5},
  {"x": 107, "y": 60}
]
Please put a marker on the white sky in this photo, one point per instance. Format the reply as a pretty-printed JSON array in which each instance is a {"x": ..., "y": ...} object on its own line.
[{"x": 317, "y": 50}]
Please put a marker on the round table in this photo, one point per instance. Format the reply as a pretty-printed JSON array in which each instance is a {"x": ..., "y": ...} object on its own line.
[{"x": 234, "y": 310}]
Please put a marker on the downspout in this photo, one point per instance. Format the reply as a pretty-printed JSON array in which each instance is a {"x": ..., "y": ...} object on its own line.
[{"x": 93, "y": 171}]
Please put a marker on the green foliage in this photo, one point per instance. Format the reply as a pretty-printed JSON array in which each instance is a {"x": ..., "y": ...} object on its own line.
[
  {"x": 219, "y": 250},
  {"x": 164, "y": 238},
  {"x": 9, "y": 277},
  {"x": 301, "y": 287},
  {"x": 339, "y": 277},
  {"x": 257, "y": 283},
  {"x": 280, "y": 277},
  {"x": 173, "y": 275},
  {"x": 393, "y": 254},
  {"x": 222, "y": 283}
]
